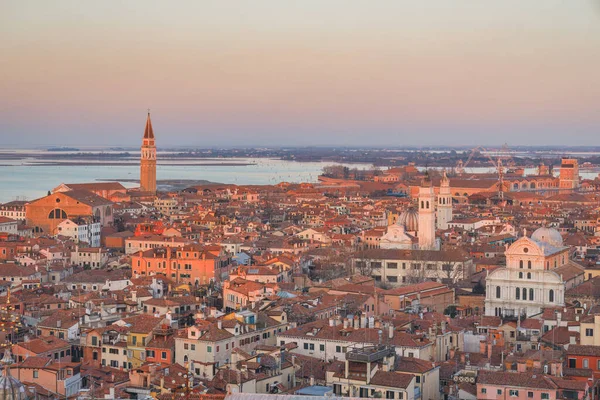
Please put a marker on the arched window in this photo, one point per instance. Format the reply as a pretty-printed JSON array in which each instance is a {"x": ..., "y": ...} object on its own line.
[
  {"x": 57, "y": 213},
  {"x": 529, "y": 264},
  {"x": 516, "y": 186},
  {"x": 524, "y": 294},
  {"x": 427, "y": 205},
  {"x": 532, "y": 185},
  {"x": 520, "y": 263},
  {"x": 422, "y": 204},
  {"x": 530, "y": 294},
  {"x": 529, "y": 275},
  {"x": 185, "y": 358},
  {"x": 520, "y": 276},
  {"x": 108, "y": 211},
  {"x": 97, "y": 213},
  {"x": 518, "y": 294},
  {"x": 497, "y": 292},
  {"x": 551, "y": 296}
]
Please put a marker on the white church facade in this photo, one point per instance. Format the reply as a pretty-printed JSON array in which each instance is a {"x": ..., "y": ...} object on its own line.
[{"x": 537, "y": 273}]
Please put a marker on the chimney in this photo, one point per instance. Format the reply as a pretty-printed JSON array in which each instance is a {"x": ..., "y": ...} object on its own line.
[
  {"x": 345, "y": 323},
  {"x": 220, "y": 324},
  {"x": 452, "y": 353},
  {"x": 489, "y": 350},
  {"x": 58, "y": 323},
  {"x": 331, "y": 322},
  {"x": 391, "y": 331},
  {"x": 312, "y": 380}
]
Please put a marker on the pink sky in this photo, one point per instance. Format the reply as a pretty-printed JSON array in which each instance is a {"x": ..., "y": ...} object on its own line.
[{"x": 311, "y": 72}]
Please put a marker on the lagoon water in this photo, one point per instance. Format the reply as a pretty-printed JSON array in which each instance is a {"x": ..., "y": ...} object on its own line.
[
  {"x": 24, "y": 180},
  {"x": 21, "y": 180}
]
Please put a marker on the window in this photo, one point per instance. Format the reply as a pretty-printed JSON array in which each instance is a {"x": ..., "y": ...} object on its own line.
[
  {"x": 35, "y": 373},
  {"x": 483, "y": 390},
  {"x": 418, "y": 379},
  {"x": 392, "y": 265},
  {"x": 163, "y": 355},
  {"x": 586, "y": 363},
  {"x": 530, "y": 395},
  {"x": 551, "y": 296},
  {"x": 94, "y": 341},
  {"x": 529, "y": 275},
  {"x": 545, "y": 396},
  {"x": 530, "y": 293},
  {"x": 497, "y": 292},
  {"x": 209, "y": 349},
  {"x": 499, "y": 391},
  {"x": 524, "y": 294},
  {"x": 305, "y": 346},
  {"x": 521, "y": 264},
  {"x": 193, "y": 347},
  {"x": 589, "y": 332},
  {"x": 312, "y": 346},
  {"x": 520, "y": 275},
  {"x": 185, "y": 346},
  {"x": 322, "y": 347},
  {"x": 513, "y": 393},
  {"x": 528, "y": 264},
  {"x": 338, "y": 349},
  {"x": 389, "y": 394},
  {"x": 57, "y": 213},
  {"x": 518, "y": 294}
]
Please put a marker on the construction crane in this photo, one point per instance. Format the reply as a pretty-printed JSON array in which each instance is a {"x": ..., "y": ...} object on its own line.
[{"x": 500, "y": 159}]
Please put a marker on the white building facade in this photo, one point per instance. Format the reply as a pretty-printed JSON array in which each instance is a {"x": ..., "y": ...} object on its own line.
[{"x": 537, "y": 273}]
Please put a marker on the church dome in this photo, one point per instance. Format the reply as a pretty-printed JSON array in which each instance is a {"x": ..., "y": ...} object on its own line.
[
  {"x": 410, "y": 220},
  {"x": 11, "y": 388},
  {"x": 548, "y": 235}
]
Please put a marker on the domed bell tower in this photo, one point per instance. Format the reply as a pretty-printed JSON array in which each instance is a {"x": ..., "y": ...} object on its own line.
[{"x": 148, "y": 159}]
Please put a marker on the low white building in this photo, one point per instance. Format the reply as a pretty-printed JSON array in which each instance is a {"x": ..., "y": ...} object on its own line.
[
  {"x": 13, "y": 210},
  {"x": 81, "y": 231},
  {"x": 331, "y": 339},
  {"x": 9, "y": 225},
  {"x": 92, "y": 257}
]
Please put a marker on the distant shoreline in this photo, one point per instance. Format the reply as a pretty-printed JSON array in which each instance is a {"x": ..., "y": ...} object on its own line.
[{"x": 133, "y": 164}]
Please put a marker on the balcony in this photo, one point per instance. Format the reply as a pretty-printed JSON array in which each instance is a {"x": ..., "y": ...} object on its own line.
[
  {"x": 370, "y": 354},
  {"x": 164, "y": 330}
]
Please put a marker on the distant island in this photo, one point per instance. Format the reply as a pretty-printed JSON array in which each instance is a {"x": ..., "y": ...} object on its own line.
[{"x": 63, "y": 149}]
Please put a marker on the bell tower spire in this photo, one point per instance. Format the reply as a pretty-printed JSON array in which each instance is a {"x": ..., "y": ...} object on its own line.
[{"x": 148, "y": 159}]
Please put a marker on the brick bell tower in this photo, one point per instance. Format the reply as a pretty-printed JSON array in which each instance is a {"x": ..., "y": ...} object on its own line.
[{"x": 148, "y": 159}]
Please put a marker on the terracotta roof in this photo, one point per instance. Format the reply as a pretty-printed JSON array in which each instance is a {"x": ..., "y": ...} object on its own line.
[{"x": 392, "y": 379}]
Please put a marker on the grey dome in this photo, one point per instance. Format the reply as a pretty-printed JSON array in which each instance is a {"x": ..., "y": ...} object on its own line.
[
  {"x": 11, "y": 388},
  {"x": 548, "y": 235},
  {"x": 409, "y": 219}
]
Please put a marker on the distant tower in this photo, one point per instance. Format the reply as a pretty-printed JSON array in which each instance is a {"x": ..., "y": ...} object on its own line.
[
  {"x": 426, "y": 215},
  {"x": 148, "y": 159},
  {"x": 569, "y": 175},
  {"x": 444, "y": 205}
]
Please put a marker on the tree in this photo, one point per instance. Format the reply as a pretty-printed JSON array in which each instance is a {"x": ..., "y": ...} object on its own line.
[{"x": 451, "y": 311}]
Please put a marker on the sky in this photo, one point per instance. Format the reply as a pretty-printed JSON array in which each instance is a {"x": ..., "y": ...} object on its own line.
[{"x": 297, "y": 73}]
